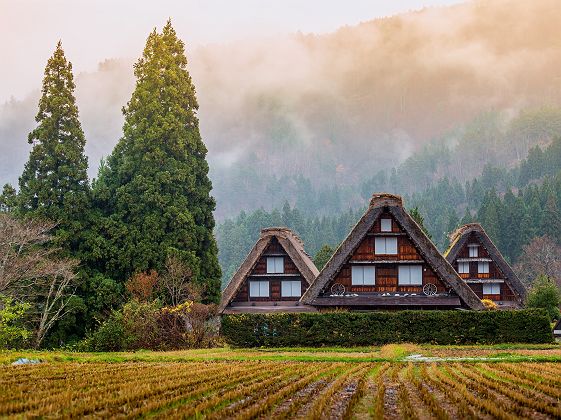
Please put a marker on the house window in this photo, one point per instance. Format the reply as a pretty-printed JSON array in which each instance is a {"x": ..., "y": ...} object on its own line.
[
  {"x": 385, "y": 246},
  {"x": 463, "y": 268},
  {"x": 473, "y": 251},
  {"x": 363, "y": 275},
  {"x": 492, "y": 289},
  {"x": 259, "y": 289},
  {"x": 483, "y": 267},
  {"x": 291, "y": 288},
  {"x": 275, "y": 265},
  {"x": 386, "y": 225},
  {"x": 410, "y": 275}
]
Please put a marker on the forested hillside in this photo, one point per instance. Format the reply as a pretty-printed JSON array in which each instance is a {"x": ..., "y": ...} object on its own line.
[{"x": 514, "y": 205}]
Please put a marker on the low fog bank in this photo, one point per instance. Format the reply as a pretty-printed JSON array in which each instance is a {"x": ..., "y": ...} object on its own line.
[{"x": 335, "y": 108}]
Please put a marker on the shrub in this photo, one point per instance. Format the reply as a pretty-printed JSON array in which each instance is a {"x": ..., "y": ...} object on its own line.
[
  {"x": 377, "y": 328},
  {"x": 12, "y": 331},
  {"x": 545, "y": 294},
  {"x": 489, "y": 304},
  {"x": 145, "y": 325},
  {"x": 111, "y": 336}
]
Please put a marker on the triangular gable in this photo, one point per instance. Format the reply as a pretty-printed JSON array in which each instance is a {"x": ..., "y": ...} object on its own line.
[
  {"x": 459, "y": 239},
  {"x": 392, "y": 204},
  {"x": 292, "y": 245}
]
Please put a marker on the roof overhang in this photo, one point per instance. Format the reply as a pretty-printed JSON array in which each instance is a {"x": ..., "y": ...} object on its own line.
[{"x": 388, "y": 301}]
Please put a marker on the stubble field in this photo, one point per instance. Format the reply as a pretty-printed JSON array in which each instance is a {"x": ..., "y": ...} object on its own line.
[{"x": 396, "y": 381}]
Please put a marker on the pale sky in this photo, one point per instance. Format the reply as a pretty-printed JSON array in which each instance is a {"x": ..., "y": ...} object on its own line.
[{"x": 93, "y": 30}]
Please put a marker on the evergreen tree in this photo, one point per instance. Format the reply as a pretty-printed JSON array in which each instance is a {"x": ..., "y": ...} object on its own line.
[
  {"x": 467, "y": 218},
  {"x": 418, "y": 217},
  {"x": 488, "y": 215},
  {"x": 8, "y": 199},
  {"x": 551, "y": 220},
  {"x": 54, "y": 184},
  {"x": 323, "y": 255},
  {"x": 511, "y": 226},
  {"x": 452, "y": 224},
  {"x": 155, "y": 190}
]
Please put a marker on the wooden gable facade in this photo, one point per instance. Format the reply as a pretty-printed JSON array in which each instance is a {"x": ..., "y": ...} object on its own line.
[
  {"x": 276, "y": 268},
  {"x": 481, "y": 265},
  {"x": 376, "y": 250},
  {"x": 387, "y": 262},
  {"x": 273, "y": 277}
]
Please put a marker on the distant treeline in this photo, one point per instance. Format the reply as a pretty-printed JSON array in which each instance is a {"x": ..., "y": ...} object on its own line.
[{"x": 514, "y": 205}]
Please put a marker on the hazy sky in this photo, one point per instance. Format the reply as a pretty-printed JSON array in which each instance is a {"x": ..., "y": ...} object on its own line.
[{"x": 92, "y": 30}]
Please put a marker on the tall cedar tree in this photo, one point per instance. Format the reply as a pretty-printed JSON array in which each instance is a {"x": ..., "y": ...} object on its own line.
[
  {"x": 54, "y": 184},
  {"x": 155, "y": 188}
]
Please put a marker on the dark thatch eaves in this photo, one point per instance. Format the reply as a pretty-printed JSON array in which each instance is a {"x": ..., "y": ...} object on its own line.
[
  {"x": 293, "y": 246},
  {"x": 394, "y": 205},
  {"x": 460, "y": 237}
]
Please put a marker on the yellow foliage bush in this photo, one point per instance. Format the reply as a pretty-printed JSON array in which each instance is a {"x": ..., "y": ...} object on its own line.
[{"x": 489, "y": 304}]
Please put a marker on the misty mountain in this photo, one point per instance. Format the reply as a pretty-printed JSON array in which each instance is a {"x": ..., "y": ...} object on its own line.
[{"x": 338, "y": 108}]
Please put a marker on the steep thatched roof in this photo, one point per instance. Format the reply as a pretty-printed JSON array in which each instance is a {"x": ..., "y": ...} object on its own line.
[
  {"x": 460, "y": 237},
  {"x": 394, "y": 205},
  {"x": 293, "y": 246}
]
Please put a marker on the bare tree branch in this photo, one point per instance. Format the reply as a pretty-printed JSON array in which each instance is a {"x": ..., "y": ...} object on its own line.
[{"x": 31, "y": 271}]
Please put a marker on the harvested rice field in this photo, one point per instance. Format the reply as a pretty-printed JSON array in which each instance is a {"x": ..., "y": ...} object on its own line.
[{"x": 402, "y": 382}]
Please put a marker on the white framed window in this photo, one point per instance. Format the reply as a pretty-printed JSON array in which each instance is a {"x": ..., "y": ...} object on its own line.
[
  {"x": 492, "y": 288},
  {"x": 386, "y": 225},
  {"x": 363, "y": 275},
  {"x": 385, "y": 246},
  {"x": 275, "y": 265},
  {"x": 259, "y": 288},
  {"x": 483, "y": 267},
  {"x": 463, "y": 267},
  {"x": 410, "y": 275},
  {"x": 473, "y": 250},
  {"x": 291, "y": 288}
]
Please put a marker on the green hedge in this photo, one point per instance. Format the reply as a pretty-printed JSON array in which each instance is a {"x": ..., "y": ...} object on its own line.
[{"x": 375, "y": 328}]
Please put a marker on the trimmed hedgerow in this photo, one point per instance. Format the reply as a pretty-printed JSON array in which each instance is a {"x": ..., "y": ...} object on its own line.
[{"x": 376, "y": 328}]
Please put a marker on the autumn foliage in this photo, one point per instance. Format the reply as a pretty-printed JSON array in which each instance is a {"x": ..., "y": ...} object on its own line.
[{"x": 141, "y": 285}]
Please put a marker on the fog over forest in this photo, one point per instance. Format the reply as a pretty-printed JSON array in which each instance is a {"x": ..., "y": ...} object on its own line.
[{"x": 335, "y": 107}]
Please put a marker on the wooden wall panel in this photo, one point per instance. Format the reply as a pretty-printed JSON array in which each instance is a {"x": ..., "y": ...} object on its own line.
[
  {"x": 386, "y": 281},
  {"x": 405, "y": 248},
  {"x": 275, "y": 249},
  {"x": 376, "y": 228},
  {"x": 275, "y": 289},
  {"x": 464, "y": 251}
]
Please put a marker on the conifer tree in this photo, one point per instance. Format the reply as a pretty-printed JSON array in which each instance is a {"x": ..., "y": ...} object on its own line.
[
  {"x": 488, "y": 216},
  {"x": 8, "y": 198},
  {"x": 551, "y": 220},
  {"x": 418, "y": 217},
  {"x": 323, "y": 256},
  {"x": 467, "y": 218},
  {"x": 54, "y": 184},
  {"x": 155, "y": 188}
]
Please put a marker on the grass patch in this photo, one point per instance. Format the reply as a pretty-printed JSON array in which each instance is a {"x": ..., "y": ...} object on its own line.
[{"x": 390, "y": 353}]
